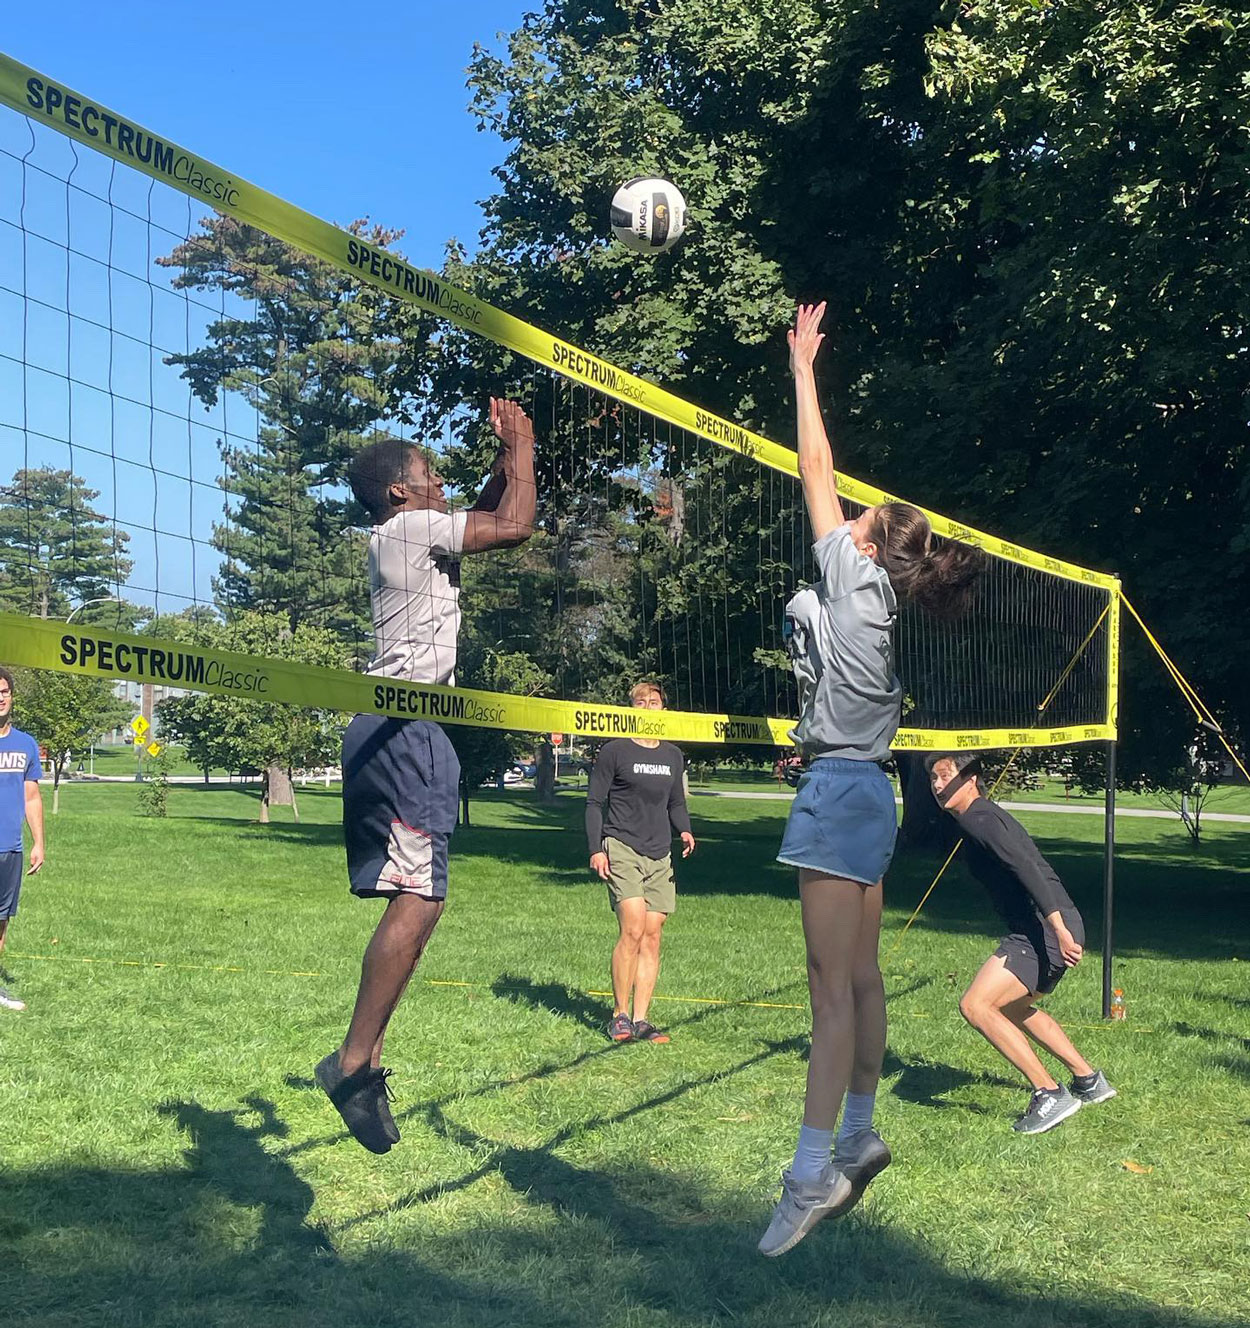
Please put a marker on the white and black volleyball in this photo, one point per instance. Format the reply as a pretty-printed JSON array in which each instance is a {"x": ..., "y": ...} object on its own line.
[{"x": 648, "y": 215}]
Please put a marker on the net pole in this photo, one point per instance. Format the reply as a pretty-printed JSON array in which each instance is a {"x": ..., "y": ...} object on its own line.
[{"x": 1108, "y": 882}]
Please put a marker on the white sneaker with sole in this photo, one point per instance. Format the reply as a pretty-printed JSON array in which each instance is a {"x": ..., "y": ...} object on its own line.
[
  {"x": 802, "y": 1205},
  {"x": 9, "y": 1002}
]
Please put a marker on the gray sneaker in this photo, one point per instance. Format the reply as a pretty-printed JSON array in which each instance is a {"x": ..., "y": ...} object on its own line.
[
  {"x": 861, "y": 1158},
  {"x": 9, "y": 1001},
  {"x": 802, "y": 1205},
  {"x": 1047, "y": 1107},
  {"x": 1098, "y": 1090}
]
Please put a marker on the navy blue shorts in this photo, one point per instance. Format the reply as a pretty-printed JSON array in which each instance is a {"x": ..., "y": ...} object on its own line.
[
  {"x": 401, "y": 792},
  {"x": 10, "y": 883},
  {"x": 842, "y": 821}
]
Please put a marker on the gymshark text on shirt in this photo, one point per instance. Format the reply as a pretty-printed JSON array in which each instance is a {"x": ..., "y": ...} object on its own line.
[{"x": 650, "y": 768}]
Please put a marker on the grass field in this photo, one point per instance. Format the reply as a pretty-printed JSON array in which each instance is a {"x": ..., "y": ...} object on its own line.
[{"x": 165, "y": 1161}]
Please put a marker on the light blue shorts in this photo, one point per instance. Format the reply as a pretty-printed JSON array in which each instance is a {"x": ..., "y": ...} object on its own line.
[{"x": 842, "y": 821}]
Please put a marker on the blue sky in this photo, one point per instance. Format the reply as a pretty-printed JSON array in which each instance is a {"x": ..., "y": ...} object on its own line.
[
  {"x": 343, "y": 114},
  {"x": 345, "y": 110}
]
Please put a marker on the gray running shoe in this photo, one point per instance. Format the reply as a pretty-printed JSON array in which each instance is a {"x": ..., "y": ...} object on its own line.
[
  {"x": 860, "y": 1158},
  {"x": 1047, "y": 1107},
  {"x": 802, "y": 1205},
  {"x": 1097, "y": 1090},
  {"x": 9, "y": 1001}
]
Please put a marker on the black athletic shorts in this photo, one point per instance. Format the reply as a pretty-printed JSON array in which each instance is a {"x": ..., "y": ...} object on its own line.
[
  {"x": 401, "y": 789},
  {"x": 10, "y": 883},
  {"x": 1034, "y": 956}
]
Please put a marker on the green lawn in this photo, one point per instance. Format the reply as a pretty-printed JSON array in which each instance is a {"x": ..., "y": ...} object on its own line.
[
  {"x": 1230, "y": 797},
  {"x": 164, "y": 1159}
]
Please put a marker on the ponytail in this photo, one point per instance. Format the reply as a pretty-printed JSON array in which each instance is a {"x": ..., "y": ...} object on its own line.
[{"x": 941, "y": 581}]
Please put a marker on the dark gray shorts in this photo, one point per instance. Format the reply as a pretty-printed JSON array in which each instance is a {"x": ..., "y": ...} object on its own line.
[
  {"x": 401, "y": 790},
  {"x": 1034, "y": 956}
]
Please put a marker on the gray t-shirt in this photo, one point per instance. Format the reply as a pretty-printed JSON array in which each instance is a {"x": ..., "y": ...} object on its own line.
[{"x": 838, "y": 633}]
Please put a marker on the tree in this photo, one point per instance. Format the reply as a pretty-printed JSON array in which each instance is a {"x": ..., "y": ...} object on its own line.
[
  {"x": 64, "y": 711},
  {"x": 486, "y": 753},
  {"x": 314, "y": 356},
  {"x": 1029, "y": 221},
  {"x": 56, "y": 550},
  {"x": 238, "y": 734}
]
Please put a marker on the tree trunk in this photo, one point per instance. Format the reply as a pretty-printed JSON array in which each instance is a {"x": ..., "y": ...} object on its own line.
[
  {"x": 57, "y": 766},
  {"x": 264, "y": 798},
  {"x": 545, "y": 780},
  {"x": 278, "y": 783},
  {"x": 464, "y": 801}
]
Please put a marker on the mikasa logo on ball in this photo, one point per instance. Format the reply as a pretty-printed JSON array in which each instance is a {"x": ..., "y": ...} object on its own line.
[{"x": 648, "y": 215}]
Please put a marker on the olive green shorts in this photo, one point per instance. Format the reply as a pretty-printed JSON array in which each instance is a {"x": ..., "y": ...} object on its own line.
[{"x": 634, "y": 876}]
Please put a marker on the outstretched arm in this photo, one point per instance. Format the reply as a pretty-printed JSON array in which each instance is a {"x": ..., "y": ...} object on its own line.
[
  {"x": 503, "y": 515},
  {"x": 815, "y": 458}
]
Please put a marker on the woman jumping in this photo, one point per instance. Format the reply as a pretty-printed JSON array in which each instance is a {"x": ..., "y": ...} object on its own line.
[{"x": 842, "y": 825}]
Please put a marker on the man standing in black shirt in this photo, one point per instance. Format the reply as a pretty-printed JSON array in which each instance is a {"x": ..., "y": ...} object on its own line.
[
  {"x": 635, "y": 801},
  {"x": 1047, "y": 937}
]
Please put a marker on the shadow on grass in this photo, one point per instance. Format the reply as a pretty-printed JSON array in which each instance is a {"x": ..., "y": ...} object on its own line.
[
  {"x": 226, "y": 1238},
  {"x": 554, "y": 998},
  {"x": 1236, "y": 1062},
  {"x": 926, "y": 1082}
]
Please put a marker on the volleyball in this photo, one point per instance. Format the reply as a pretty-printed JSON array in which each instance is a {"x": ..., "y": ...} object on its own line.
[{"x": 648, "y": 215}]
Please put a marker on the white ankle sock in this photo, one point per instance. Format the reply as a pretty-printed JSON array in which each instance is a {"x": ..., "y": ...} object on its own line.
[
  {"x": 856, "y": 1114},
  {"x": 812, "y": 1155}
]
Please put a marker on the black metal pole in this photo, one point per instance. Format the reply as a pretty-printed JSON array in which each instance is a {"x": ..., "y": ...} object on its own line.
[{"x": 1108, "y": 883}]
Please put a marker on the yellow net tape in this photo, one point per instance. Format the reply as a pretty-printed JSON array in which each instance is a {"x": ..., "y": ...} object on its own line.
[
  {"x": 44, "y": 644},
  {"x": 100, "y": 129}
]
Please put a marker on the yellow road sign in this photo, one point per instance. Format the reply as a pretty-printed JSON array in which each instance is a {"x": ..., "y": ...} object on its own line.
[
  {"x": 154, "y": 748},
  {"x": 139, "y": 725}
]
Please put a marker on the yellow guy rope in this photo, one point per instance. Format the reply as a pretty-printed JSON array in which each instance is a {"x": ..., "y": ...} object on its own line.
[{"x": 1196, "y": 704}]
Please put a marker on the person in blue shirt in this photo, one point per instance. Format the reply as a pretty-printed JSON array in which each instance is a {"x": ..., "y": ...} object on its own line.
[{"x": 19, "y": 800}]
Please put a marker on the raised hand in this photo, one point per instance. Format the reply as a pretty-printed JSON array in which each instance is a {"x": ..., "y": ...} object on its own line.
[
  {"x": 511, "y": 424},
  {"x": 805, "y": 336}
]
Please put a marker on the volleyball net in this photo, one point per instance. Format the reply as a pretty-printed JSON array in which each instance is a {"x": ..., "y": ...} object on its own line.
[{"x": 188, "y": 364}]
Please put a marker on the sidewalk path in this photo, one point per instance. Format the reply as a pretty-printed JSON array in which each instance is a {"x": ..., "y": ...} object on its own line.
[{"x": 1081, "y": 809}]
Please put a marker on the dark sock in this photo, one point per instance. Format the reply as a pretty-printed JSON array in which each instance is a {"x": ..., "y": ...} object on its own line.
[{"x": 1085, "y": 1080}]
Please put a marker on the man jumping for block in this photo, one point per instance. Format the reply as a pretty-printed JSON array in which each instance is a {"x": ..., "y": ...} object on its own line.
[
  {"x": 1046, "y": 938},
  {"x": 401, "y": 777}
]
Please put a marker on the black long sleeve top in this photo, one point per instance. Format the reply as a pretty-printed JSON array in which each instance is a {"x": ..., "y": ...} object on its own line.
[
  {"x": 635, "y": 795},
  {"x": 1022, "y": 885}
]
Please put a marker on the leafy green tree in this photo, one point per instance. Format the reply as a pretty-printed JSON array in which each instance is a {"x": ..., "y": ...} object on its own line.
[
  {"x": 311, "y": 352},
  {"x": 1029, "y": 221},
  {"x": 57, "y": 551},
  {"x": 233, "y": 733},
  {"x": 65, "y": 712}
]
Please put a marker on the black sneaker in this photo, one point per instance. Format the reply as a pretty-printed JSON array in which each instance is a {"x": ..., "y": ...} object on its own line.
[
  {"x": 360, "y": 1099},
  {"x": 1047, "y": 1107},
  {"x": 385, "y": 1098}
]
